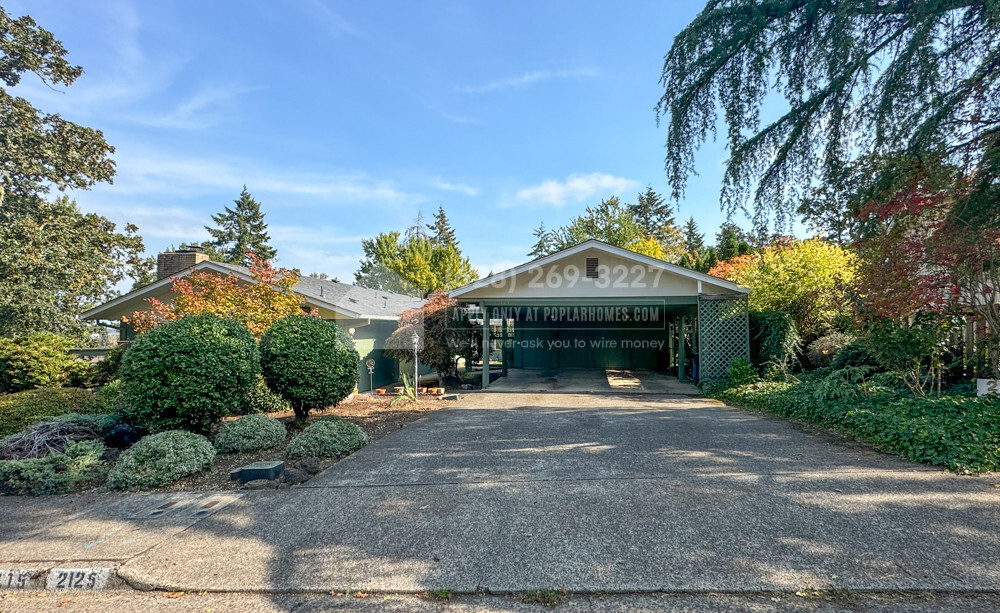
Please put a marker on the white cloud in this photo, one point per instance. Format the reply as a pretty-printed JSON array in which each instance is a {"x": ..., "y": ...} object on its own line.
[
  {"x": 528, "y": 78},
  {"x": 146, "y": 172},
  {"x": 575, "y": 188},
  {"x": 202, "y": 110},
  {"x": 468, "y": 190}
]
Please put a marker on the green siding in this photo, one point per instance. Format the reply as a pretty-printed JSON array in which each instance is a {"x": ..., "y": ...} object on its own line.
[{"x": 369, "y": 340}]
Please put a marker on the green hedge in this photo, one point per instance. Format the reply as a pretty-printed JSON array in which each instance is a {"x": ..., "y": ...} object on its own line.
[
  {"x": 20, "y": 410},
  {"x": 960, "y": 433}
]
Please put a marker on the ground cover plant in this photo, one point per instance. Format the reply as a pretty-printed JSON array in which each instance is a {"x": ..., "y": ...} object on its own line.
[
  {"x": 77, "y": 466},
  {"x": 161, "y": 459},
  {"x": 958, "y": 432}
]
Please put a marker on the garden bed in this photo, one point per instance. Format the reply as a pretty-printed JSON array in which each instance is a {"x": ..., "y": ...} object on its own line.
[
  {"x": 376, "y": 415},
  {"x": 958, "y": 432}
]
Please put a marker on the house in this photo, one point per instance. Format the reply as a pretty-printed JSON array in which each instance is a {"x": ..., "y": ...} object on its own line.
[
  {"x": 595, "y": 305},
  {"x": 368, "y": 316}
]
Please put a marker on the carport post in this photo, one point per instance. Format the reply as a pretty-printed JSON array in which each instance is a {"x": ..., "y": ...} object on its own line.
[
  {"x": 680, "y": 351},
  {"x": 503, "y": 345},
  {"x": 486, "y": 345}
]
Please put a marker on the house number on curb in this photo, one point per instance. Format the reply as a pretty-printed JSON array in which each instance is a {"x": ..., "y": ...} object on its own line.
[
  {"x": 19, "y": 579},
  {"x": 77, "y": 579}
]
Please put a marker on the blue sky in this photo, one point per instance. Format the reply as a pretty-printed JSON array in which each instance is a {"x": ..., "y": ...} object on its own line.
[{"x": 346, "y": 118}]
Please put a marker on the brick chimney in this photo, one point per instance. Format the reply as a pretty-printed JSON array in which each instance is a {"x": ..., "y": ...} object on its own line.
[{"x": 172, "y": 262}]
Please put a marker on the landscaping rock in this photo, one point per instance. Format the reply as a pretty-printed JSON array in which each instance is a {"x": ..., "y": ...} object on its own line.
[
  {"x": 110, "y": 454},
  {"x": 122, "y": 436},
  {"x": 309, "y": 465},
  {"x": 294, "y": 476},
  {"x": 261, "y": 484}
]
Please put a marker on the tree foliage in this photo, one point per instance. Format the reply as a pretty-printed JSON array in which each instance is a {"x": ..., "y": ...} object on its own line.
[
  {"x": 56, "y": 262},
  {"x": 257, "y": 305},
  {"x": 631, "y": 226},
  {"x": 934, "y": 246},
  {"x": 240, "y": 231},
  {"x": 310, "y": 362},
  {"x": 418, "y": 264},
  {"x": 860, "y": 78},
  {"x": 808, "y": 279},
  {"x": 445, "y": 336},
  {"x": 37, "y": 149},
  {"x": 441, "y": 231}
]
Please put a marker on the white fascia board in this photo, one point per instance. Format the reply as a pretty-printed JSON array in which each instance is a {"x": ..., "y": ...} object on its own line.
[{"x": 601, "y": 246}]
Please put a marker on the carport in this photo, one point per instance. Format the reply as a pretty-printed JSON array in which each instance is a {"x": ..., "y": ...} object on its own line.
[{"x": 598, "y": 306}]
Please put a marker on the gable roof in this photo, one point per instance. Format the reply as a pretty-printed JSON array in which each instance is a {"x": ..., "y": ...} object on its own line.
[
  {"x": 350, "y": 301},
  {"x": 606, "y": 248}
]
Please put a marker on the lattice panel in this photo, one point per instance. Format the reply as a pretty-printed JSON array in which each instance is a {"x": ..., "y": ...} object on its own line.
[{"x": 724, "y": 334}]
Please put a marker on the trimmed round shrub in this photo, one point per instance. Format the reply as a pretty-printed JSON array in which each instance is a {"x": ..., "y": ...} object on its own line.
[
  {"x": 312, "y": 363},
  {"x": 161, "y": 459},
  {"x": 188, "y": 373},
  {"x": 36, "y": 360},
  {"x": 327, "y": 438},
  {"x": 20, "y": 410},
  {"x": 824, "y": 350},
  {"x": 249, "y": 433}
]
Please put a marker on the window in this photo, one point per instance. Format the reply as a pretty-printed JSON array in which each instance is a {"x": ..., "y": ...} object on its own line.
[{"x": 591, "y": 268}]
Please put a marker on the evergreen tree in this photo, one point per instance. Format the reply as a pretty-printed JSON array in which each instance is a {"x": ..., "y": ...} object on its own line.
[
  {"x": 543, "y": 243},
  {"x": 442, "y": 232},
  {"x": 694, "y": 241},
  {"x": 654, "y": 215},
  {"x": 859, "y": 79},
  {"x": 731, "y": 241},
  {"x": 238, "y": 231},
  {"x": 418, "y": 228}
]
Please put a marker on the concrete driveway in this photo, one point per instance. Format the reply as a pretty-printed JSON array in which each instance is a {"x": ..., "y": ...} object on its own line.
[
  {"x": 592, "y": 493},
  {"x": 598, "y": 494},
  {"x": 591, "y": 381}
]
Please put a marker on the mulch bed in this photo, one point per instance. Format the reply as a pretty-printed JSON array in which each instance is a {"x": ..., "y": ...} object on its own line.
[{"x": 376, "y": 415}]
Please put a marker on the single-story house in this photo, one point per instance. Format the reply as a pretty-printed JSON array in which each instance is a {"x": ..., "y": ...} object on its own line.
[
  {"x": 368, "y": 316},
  {"x": 595, "y": 305}
]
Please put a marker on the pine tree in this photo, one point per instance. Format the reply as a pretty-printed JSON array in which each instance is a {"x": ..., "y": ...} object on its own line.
[
  {"x": 694, "y": 241},
  {"x": 654, "y": 215},
  {"x": 238, "y": 231},
  {"x": 442, "y": 232},
  {"x": 543, "y": 244},
  {"x": 417, "y": 228},
  {"x": 731, "y": 241}
]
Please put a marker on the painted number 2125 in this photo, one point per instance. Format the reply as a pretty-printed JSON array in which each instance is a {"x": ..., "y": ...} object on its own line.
[{"x": 75, "y": 580}]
